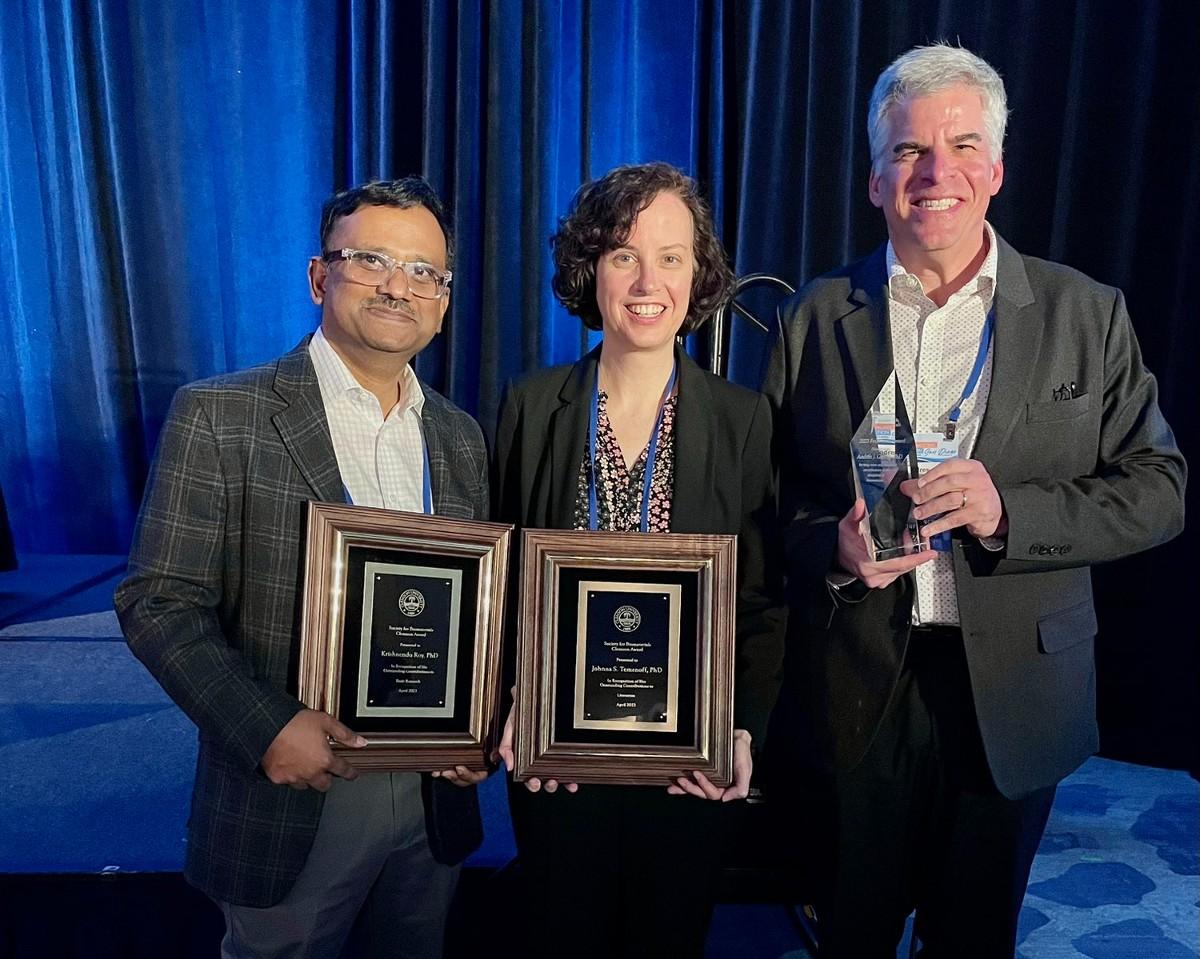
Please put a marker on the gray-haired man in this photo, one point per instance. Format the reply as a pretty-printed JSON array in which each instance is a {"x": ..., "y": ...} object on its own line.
[{"x": 941, "y": 696}]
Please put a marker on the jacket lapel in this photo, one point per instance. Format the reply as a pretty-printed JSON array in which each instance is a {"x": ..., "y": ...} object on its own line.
[
  {"x": 568, "y": 434},
  {"x": 436, "y": 445},
  {"x": 694, "y": 429},
  {"x": 303, "y": 426},
  {"x": 440, "y": 445},
  {"x": 1015, "y": 351},
  {"x": 864, "y": 336}
]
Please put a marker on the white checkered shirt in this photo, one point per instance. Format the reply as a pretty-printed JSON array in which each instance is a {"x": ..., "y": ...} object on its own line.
[
  {"x": 381, "y": 458},
  {"x": 934, "y": 349}
]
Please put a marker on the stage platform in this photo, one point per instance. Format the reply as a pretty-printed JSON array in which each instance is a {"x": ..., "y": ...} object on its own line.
[{"x": 96, "y": 767}]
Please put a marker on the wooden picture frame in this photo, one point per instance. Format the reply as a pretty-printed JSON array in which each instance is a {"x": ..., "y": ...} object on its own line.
[
  {"x": 400, "y": 633},
  {"x": 600, "y": 701}
]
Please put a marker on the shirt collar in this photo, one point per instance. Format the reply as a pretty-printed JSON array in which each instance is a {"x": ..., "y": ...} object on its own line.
[
  {"x": 335, "y": 378},
  {"x": 983, "y": 282}
]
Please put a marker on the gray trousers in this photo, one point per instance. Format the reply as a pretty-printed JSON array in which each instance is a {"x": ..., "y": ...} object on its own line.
[{"x": 369, "y": 888}]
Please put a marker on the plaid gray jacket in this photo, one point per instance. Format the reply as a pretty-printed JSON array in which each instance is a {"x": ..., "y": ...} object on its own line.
[{"x": 211, "y": 605}]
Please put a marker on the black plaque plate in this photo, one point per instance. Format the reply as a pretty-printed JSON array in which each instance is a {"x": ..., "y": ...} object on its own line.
[
  {"x": 409, "y": 643},
  {"x": 627, "y": 656}
]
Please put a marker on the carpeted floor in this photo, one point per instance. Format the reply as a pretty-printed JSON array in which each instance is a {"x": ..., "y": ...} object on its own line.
[{"x": 96, "y": 767}]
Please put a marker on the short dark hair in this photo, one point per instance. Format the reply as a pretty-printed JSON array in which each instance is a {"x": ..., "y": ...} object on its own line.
[
  {"x": 403, "y": 194},
  {"x": 600, "y": 219}
]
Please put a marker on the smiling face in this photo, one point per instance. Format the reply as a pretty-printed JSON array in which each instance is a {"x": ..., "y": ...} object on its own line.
[
  {"x": 935, "y": 178},
  {"x": 643, "y": 287},
  {"x": 364, "y": 323}
]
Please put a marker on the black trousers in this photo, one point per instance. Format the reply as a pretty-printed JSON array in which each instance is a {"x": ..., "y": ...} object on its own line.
[
  {"x": 920, "y": 824},
  {"x": 616, "y": 871}
]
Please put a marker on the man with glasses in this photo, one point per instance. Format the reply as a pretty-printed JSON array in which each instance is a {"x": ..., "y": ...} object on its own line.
[{"x": 302, "y": 854}]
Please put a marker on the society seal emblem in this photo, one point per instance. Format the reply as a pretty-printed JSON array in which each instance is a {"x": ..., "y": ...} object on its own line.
[
  {"x": 627, "y": 619},
  {"x": 412, "y": 603}
]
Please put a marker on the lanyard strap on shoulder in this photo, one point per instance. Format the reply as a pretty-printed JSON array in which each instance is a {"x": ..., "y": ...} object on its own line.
[{"x": 985, "y": 340}]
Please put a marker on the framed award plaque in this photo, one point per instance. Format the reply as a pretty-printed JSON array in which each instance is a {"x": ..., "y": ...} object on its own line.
[
  {"x": 400, "y": 633},
  {"x": 625, "y": 657}
]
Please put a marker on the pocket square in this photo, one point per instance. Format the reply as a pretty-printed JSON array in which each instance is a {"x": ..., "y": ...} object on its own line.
[{"x": 1066, "y": 391}]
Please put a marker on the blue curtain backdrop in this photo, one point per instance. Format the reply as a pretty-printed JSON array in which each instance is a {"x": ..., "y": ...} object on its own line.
[
  {"x": 163, "y": 163},
  {"x": 164, "y": 166}
]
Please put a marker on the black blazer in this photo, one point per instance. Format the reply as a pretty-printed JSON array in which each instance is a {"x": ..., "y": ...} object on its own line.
[
  {"x": 1084, "y": 480},
  {"x": 724, "y": 483}
]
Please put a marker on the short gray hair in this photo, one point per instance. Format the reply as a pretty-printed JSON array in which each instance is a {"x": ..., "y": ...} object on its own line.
[{"x": 925, "y": 70}]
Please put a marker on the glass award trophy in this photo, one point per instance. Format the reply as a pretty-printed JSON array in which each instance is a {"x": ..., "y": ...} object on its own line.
[{"x": 883, "y": 453}]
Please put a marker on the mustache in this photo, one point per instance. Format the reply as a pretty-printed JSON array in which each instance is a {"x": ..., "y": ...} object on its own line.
[{"x": 388, "y": 303}]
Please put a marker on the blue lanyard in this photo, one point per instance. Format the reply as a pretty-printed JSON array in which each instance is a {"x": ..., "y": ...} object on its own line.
[
  {"x": 426, "y": 483},
  {"x": 985, "y": 340},
  {"x": 651, "y": 453}
]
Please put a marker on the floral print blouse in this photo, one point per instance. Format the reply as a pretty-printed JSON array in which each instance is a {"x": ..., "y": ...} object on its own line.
[{"x": 619, "y": 490}]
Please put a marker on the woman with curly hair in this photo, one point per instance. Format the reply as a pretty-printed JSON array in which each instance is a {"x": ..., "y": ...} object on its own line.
[{"x": 635, "y": 436}]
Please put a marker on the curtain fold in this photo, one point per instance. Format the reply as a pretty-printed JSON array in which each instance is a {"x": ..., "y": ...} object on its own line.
[{"x": 162, "y": 167}]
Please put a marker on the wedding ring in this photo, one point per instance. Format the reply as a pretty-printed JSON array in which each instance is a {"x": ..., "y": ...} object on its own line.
[{"x": 964, "y": 502}]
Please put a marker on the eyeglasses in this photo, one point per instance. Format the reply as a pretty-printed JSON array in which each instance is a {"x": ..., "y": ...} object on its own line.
[{"x": 374, "y": 269}]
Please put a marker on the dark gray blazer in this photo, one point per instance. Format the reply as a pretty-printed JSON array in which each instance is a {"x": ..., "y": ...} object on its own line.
[
  {"x": 724, "y": 483},
  {"x": 1083, "y": 481},
  {"x": 211, "y": 605}
]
